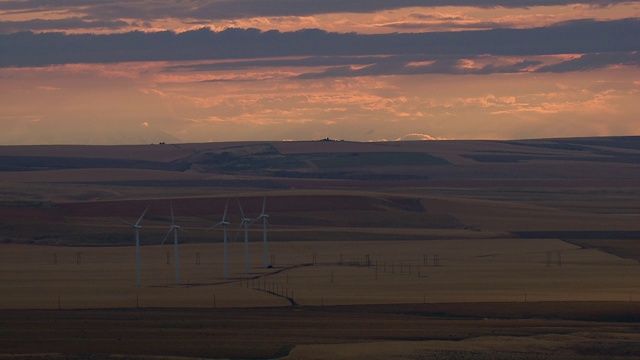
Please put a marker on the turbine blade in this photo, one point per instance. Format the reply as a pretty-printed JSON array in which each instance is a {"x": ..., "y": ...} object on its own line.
[
  {"x": 173, "y": 219},
  {"x": 141, "y": 216},
  {"x": 240, "y": 206},
  {"x": 224, "y": 216},
  {"x": 166, "y": 236},
  {"x": 264, "y": 205}
]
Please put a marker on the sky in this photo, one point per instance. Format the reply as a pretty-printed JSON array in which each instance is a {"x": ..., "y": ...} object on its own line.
[{"x": 137, "y": 72}]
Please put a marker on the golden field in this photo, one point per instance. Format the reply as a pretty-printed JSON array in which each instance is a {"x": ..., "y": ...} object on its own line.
[{"x": 488, "y": 270}]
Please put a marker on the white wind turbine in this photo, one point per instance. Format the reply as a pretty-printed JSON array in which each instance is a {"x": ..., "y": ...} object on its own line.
[
  {"x": 225, "y": 225},
  {"x": 245, "y": 221},
  {"x": 264, "y": 218},
  {"x": 175, "y": 228},
  {"x": 136, "y": 229}
]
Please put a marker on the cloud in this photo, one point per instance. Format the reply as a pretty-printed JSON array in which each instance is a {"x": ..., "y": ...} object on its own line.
[
  {"x": 594, "y": 61},
  {"x": 310, "y": 61},
  {"x": 458, "y": 25},
  {"x": 37, "y": 25},
  {"x": 418, "y": 136},
  {"x": 29, "y": 49},
  {"x": 237, "y": 9},
  {"x": 47, "y": 88},
  {"x": 450, "y": 65},
  {"x": 584, "y": 101},
  {"x": 436, "y": 21}
]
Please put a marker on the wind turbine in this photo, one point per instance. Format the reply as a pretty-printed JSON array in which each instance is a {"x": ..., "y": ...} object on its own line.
[
  {"x": 136, "y": 229},
  {"x": 264, "y": 218},
  {"x": 175, "y": 228},
  {"x": 245, "y": 222},
  {"x": 225, "y": 225}
]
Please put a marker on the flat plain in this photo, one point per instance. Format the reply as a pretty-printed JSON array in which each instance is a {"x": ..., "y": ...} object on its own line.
[{"x": 447, "y": 249}]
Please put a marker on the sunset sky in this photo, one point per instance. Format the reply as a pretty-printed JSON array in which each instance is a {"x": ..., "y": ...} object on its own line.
[{"x": 110, "y": 72}]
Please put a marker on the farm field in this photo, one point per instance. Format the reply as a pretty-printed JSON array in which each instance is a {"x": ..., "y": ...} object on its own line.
[
  {"x": 314, "y": 274},
  {"x": 448, "y": 249},
  {"x": 484, "y": 298}
]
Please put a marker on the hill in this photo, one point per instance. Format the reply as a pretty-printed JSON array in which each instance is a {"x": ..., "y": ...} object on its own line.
[
  {"x": 570, "y": 188},
  {"x": 341, "y": 160}
]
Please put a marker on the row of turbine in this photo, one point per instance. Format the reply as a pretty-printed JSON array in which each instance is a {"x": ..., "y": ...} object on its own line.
[{"x": 245, "y": 222}]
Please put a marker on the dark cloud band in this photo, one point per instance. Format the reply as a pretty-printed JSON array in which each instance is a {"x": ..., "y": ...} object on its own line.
[
  {"x": 37, "y": 25},
  {"x": 234, "y": 9},
  {"x": 577, "y": 37}
]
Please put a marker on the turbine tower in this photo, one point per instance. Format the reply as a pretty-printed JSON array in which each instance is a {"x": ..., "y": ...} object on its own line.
[
  {"x": 264, "y": 218},
  {"x": 245, "y": 222},
  {"x": 175, "y": 228},
  {"x": 225, "y": 225},
  {"x": 136, "y": 229}
]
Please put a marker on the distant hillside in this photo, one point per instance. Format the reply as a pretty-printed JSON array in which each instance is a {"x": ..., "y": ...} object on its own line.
[
  {"x": 543, "y": 159},
  {"x": 324, "y": 190}
]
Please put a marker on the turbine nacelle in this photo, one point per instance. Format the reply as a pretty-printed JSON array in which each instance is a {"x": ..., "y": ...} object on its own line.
[
  {"x": 224, "y": 221},
  {"x": 264, "y": 206},
  {"x": 244, "y": 219},
  {"x": 137, "y": 223}
]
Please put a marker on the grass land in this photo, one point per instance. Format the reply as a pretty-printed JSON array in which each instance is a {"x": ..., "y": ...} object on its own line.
[{"x": 521, "y": 249}]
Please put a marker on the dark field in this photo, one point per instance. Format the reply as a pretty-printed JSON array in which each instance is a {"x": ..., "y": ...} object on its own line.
[{"x": 570, "y": 329}]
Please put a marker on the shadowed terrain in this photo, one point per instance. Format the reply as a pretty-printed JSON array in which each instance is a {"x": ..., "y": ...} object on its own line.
[{"x": 508, "y": 331}]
